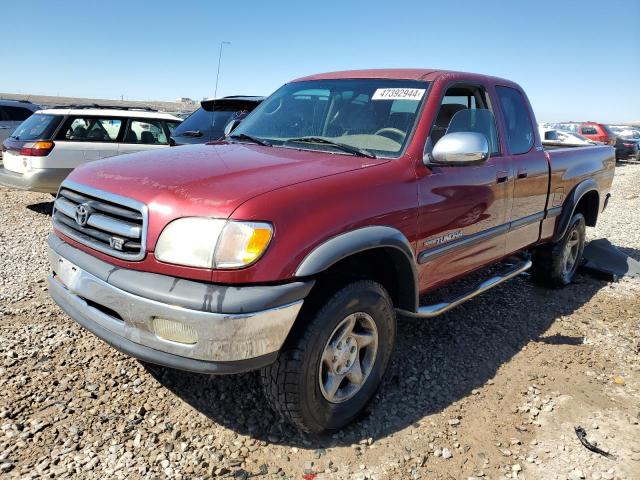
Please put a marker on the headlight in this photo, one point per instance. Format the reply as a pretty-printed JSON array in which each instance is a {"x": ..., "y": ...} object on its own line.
[
  {"x": 213, "y": 243},
  {"x": 190, "y": 241},
  {"x": 242, "y": 243}
]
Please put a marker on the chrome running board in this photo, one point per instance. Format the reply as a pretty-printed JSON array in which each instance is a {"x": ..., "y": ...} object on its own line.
[{"x": 430, "y": 311}]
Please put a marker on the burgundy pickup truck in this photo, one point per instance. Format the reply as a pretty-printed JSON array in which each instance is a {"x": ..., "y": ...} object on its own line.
[{"x": 294, "y": 244}]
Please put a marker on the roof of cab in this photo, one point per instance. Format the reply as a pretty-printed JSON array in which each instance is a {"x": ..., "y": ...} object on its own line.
[{"x": 424, "y": 74}]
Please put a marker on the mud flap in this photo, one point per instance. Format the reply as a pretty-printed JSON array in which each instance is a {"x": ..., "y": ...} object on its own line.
[{"x": 608, "y": 262}]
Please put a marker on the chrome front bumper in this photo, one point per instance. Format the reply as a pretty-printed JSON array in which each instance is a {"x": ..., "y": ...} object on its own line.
[{"x": 227, "y": 342}]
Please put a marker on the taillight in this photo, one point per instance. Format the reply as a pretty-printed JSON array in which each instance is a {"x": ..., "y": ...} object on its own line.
[{"x": 37, "y": 149}]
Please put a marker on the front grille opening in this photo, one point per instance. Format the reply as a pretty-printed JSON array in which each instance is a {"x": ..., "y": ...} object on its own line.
[
  {"x": 99, "y": 223},
  {"x": 103, "y": 309},
  {"x": 103, "y": 206}
]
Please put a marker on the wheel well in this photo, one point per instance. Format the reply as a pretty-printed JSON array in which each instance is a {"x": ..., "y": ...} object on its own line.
[
  {"x": 388, "y": 266},
  {"x": 588, "y": 205}
]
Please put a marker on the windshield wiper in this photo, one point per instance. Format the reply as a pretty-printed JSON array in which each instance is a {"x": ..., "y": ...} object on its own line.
[
  {"x": 360, "y": 152},
  {"x": 244, "y": 136}
]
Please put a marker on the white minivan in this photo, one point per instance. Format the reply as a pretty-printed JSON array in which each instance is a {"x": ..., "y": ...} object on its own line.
[{"x": 44, "y": 149}]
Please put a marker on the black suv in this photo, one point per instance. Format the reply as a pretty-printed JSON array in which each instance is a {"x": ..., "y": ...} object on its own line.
[{"x": 209, "y": 121}]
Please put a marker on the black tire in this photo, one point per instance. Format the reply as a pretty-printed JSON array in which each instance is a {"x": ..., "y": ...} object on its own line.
[
  {"x": 292, "y": 383},
  {"x": 550, "y": 262}
]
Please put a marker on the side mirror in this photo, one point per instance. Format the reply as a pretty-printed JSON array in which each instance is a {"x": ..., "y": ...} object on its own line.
[
  {"x": 460, "y": 148},
  {"x": 231, "y": 126}
]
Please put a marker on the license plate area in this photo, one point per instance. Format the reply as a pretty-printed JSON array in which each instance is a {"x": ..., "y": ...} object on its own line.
[{"x": 68, "y": 274}]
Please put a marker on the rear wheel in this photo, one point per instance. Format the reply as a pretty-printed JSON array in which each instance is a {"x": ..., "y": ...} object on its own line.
[
  {"x": 555, "y": 265},
  {"x": 324, "y": 378}
]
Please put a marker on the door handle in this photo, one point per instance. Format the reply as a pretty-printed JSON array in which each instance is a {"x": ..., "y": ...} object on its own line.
[
  {"x": 522, "y": 173},
  {"x": 502, "y": 177}
]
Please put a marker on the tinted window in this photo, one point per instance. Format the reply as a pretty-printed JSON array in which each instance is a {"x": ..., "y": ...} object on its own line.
[
  {"x": 17, "y": 114},
  {"x": 200, "y": 121},
  {"x": 91, "y": 129},
  {"x": 588, "y": 131},
  {"x": 209, "y": 124},
  {"x": 37, "y": 127},
  {"x": 516, "y": 115},
  {"x": 146, "y": 132}
]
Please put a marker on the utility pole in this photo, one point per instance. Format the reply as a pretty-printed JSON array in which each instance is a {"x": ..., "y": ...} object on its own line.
[{"x": 215, "y": 94}]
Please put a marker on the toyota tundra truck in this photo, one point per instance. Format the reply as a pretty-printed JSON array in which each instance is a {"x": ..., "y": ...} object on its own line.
[{"x": 294, "y": 244}]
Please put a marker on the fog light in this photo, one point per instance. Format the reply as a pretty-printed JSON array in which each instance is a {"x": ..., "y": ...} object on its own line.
[{"x": 174, "y": 331}]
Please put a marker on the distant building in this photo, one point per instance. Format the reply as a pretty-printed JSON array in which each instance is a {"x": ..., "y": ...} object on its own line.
[{"x": 185, "y": 100}]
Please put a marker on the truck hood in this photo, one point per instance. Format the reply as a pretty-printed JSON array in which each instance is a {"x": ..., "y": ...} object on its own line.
[{"x": 211, "y": 180}]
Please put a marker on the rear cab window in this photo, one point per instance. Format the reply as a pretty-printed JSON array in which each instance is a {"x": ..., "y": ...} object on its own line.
[
  {"x": 39, "y": 126},
  {"x": 520, "y": 136},
  {"x": 90, "y": 129}
]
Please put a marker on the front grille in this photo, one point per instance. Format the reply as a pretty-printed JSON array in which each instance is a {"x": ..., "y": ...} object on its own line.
[{"x": 103, "y": 221}]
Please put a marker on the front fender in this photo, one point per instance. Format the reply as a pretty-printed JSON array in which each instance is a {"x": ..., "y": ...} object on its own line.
[{"x": 360, "y": 240}]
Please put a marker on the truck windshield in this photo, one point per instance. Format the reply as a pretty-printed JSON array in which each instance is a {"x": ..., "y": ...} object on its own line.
[{"x": 374, "y": 116}]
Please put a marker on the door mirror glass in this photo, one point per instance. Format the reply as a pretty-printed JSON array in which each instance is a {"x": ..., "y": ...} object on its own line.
[{"x": 460, "y": 148}]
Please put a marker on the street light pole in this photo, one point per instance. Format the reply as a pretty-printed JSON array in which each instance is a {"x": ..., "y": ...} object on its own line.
[{"x": 215, "y": 94}]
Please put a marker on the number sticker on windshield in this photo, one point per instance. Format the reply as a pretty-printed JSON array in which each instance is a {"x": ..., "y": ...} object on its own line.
[{"x": 398, "y": 94}]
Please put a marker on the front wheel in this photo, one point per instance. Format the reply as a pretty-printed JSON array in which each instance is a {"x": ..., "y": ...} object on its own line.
[
  {"x": 324, "y": 378},
  {"x": 555, "y": 265}
]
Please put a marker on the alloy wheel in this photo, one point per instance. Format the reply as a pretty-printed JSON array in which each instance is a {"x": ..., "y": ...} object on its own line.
[{"x": 348, "y": 357}]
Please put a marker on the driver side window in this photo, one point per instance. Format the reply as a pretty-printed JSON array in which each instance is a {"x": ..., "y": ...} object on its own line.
[{"x": 466, "y": 99}]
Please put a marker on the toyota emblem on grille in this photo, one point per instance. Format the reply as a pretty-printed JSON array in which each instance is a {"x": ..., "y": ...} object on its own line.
[{"x": 83, "y": 212}]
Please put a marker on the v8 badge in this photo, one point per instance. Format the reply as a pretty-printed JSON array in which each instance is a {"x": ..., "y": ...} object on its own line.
[{"x": 116, "y": 243}]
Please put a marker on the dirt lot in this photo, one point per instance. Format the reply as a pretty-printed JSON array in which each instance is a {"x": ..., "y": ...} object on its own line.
[{"x": 493, "y": 389}]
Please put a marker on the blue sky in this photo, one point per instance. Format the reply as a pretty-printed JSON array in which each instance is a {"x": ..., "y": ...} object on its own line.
[{"x": 577, "y": 60}]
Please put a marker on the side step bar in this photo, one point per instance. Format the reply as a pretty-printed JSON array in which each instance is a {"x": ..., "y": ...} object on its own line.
[{"x": 430, "y": 311}]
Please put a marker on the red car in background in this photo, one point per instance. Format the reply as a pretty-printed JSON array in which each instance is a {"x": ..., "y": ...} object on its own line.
[{"x": 597, "y": 132}]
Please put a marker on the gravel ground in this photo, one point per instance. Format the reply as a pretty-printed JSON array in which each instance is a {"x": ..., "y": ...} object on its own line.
[{"x": 492, "y": 389}]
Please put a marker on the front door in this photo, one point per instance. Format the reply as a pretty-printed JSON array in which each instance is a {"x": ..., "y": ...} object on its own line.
[{"x": 463, "y": 209}]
